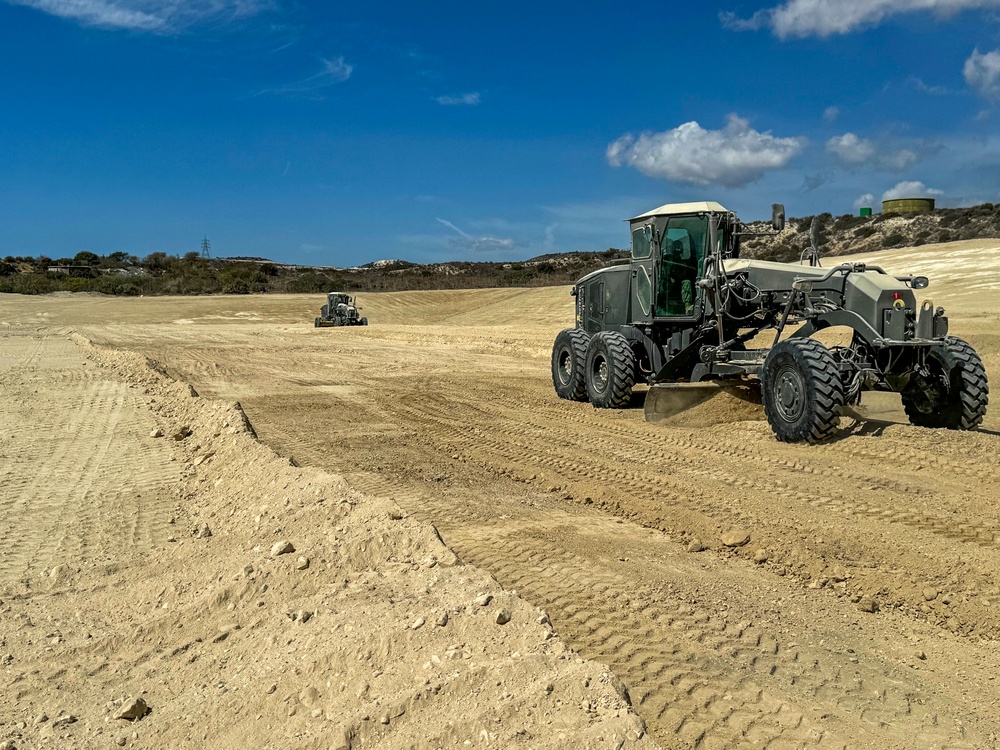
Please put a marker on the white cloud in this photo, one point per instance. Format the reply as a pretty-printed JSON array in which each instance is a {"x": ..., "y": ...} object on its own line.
[
  {"x": 732, "y": 157},
  {"x": 466, "y": 241},
  {"x": 333, "y": 71},
  {"x": 910, "y": 190},
  {"x": 802, "y": 18},
  {"x": 850, "y": 149},
  {"x": 925, "y": 88},
  {"x": 471, "y": 99},
  {"x": 982, "y": 72},
  {"x": 864, "y": 201},
  {"x": 830, "y": 114},
  {"x": 854, "y": 151},
  {"x": 164, "y": 16}
]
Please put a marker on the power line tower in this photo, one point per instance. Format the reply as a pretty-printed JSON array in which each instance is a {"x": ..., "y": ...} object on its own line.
[{"x": 206, "y": 248}]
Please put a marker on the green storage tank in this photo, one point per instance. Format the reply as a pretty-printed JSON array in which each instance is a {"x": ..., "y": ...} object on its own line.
[{"x": 908, "y": 206}]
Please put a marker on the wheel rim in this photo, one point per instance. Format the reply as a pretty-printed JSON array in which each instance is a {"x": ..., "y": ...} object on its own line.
[
  {"x": 599, "y": 373},
  {"x": 565, "y": 366},
  {"x": 789, "y": 393}
]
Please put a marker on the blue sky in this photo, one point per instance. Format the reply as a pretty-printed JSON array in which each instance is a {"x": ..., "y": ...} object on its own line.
[{"x": 339, "y": 133}]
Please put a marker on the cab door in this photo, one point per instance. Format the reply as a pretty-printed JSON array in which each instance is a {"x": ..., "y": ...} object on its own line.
[
  {"x": 642, "y": 273},
  {"x": 682, "y": 259}
]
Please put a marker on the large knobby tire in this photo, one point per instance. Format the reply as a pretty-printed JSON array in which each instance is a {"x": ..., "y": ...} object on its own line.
[
  {"x": 610, "y": 370},
  {"x": 802, "y": 391},
  {"x": 569, "y": 358},
  {"x": 961, "y": 405}
]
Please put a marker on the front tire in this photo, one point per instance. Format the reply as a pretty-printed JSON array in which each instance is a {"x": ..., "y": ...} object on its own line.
[
  {"x": 954, "y": 395},
  {"x": 802, "y": 391},
  {"x": 569, "y": 359},
  {"x": 610, "y": 370},
  {"x": 364, "y": 321}
]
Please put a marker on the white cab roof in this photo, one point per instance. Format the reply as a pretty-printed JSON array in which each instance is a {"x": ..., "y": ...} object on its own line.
[{"x": 683, "y": 208}]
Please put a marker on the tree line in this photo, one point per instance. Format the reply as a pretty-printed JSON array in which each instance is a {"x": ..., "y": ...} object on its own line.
[{"x": 158, "y": 273}]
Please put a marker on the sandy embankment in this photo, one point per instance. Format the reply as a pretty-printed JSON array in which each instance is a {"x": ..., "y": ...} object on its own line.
[{"x": 370, "y": 633}]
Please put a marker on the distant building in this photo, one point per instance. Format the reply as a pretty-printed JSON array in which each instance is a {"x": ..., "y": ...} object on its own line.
[{"x": 83, "y": 271}]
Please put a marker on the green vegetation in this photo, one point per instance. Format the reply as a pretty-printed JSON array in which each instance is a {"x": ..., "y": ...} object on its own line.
[
  {"x": 120, "y": 273},
  {"x": 158, "y": 273}
]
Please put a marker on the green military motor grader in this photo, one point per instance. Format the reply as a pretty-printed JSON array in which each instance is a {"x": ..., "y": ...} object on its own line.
[
  {"x": 341, "y": 309},
  {"x": 679, "y": 314}
]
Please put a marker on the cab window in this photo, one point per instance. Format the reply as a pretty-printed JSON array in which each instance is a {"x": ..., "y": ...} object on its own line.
[
  {"x": 682, "y": 255},
  {"x": 641, "y": 245}
]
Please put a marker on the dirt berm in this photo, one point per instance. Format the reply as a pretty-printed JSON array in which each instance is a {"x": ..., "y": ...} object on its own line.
[{"x": 141, "y": 538}]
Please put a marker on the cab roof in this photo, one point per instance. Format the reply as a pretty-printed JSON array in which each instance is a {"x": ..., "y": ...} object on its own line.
[{"x": 683, "y": 208}]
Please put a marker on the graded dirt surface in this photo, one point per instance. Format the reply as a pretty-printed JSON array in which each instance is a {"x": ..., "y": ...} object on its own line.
[{"x": 442, "y": 412}]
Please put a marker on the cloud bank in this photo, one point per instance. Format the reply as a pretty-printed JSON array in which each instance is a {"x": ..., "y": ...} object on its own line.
[
  {"x": 163, "y": 16},
  {"x": 732, "y": 157},
  {"x": 802, "y": 18}
]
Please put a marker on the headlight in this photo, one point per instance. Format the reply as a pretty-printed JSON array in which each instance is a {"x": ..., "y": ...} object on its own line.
[
  {"x": 919, "y": 282},
  {"x": 802, "y": 285}
]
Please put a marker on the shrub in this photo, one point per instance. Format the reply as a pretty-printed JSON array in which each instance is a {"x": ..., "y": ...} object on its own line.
[{"x": 118, "y": 285}]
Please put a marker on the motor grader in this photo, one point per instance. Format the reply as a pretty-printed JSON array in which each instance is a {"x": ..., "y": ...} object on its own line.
[
  {"x": 340, "y": 310},
  {"x": 686, "y": 313}
]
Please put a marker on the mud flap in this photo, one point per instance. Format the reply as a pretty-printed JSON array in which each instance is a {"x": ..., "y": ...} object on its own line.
[{"x": 664, "y": 400}]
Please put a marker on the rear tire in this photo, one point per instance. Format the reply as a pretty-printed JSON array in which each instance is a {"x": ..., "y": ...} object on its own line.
[
  {"x": 610, "y": 370},
  {"x": 569, "y": 359},
  {"x": 802, "y": 391},
  {"x": 960, "y": 406}
]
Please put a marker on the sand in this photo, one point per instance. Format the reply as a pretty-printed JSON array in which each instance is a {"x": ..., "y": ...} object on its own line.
[{"x": 422, "y": 465}]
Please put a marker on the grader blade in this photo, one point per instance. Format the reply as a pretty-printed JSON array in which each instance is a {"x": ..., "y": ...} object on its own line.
[{"x": 664, "y": 400}]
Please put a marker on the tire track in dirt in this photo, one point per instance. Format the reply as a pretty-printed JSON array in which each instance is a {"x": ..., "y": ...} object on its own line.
[
  {"x": 697, "y": 678},
  {"x": 690, "y": 484},
  {"x": 61, "y": 498},
  {"x": 670, "y": 485},
  {"x": 704, "y": 487},
  {"x": 20, "y": 350}
]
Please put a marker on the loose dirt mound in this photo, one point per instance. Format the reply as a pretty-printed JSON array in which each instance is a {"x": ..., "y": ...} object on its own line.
[
  {"x": 273, "y": 606},
  {"x": 726, "y": 406}
]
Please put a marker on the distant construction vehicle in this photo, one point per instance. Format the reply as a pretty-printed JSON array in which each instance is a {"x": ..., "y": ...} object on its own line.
[
  {"x": 340, "y": 310},
  {"x": 680, "y": 312}
]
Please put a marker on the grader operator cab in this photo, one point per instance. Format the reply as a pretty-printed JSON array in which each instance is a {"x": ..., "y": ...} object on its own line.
[
  {"x": 678, "y": 315},
  {"x": 340, "y": 310}
]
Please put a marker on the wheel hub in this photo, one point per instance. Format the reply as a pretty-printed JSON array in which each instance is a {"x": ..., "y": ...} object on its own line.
[
  {"x": 566, "y": 366},
  {"x": 790, "y": 392},
  {"x": 600, "y": 373}
]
